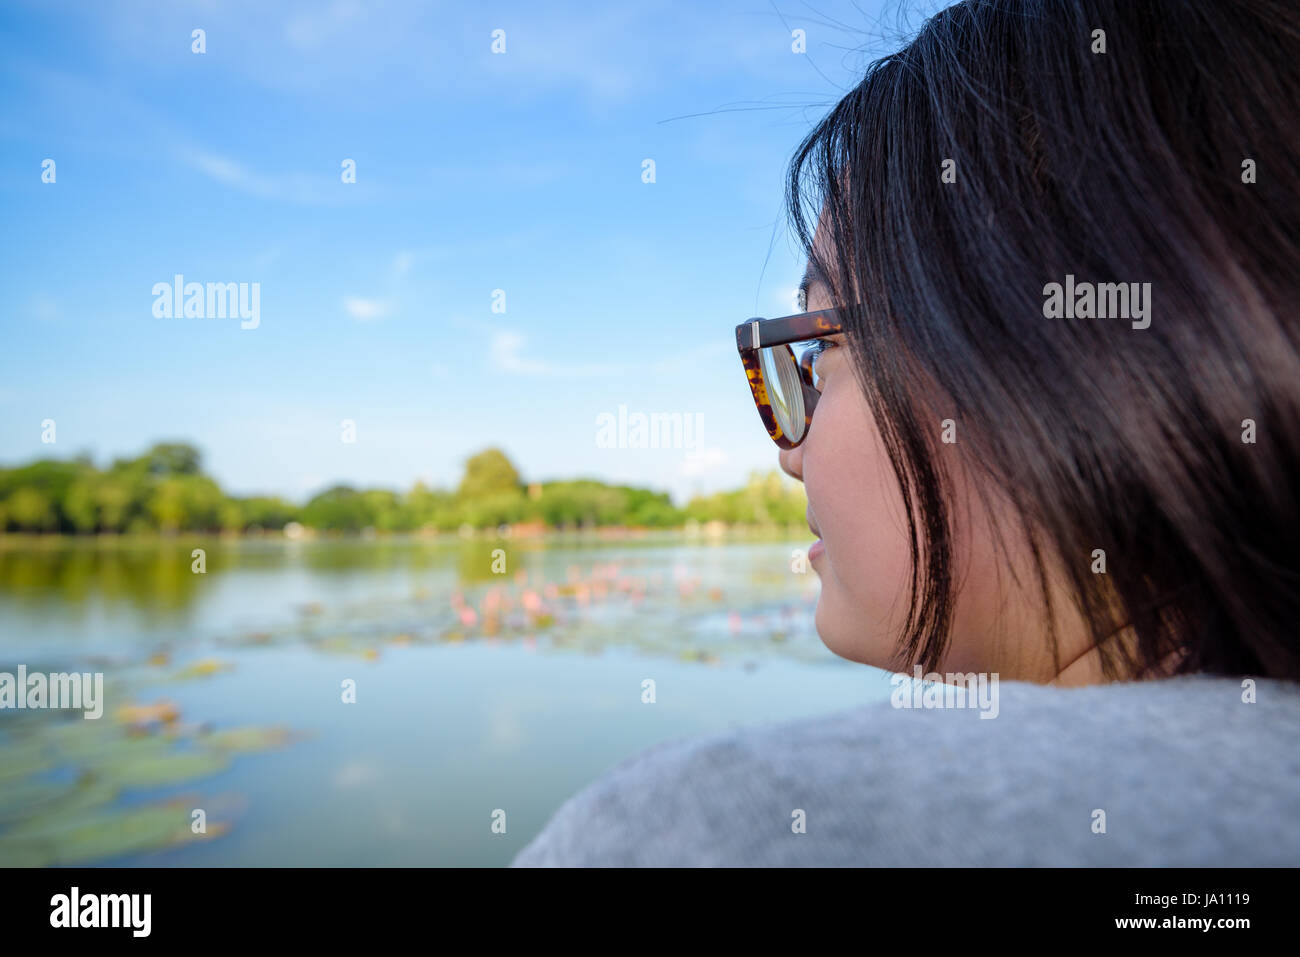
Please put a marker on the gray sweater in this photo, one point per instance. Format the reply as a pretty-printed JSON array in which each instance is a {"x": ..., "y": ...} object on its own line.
[{"x": 1177, "y": 772}]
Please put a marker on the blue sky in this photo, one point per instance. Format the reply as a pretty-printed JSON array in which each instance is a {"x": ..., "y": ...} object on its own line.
[{"x": 475, "y": 171}]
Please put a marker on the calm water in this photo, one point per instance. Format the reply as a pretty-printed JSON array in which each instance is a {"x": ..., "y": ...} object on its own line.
[{"x": 474, "y": 691}]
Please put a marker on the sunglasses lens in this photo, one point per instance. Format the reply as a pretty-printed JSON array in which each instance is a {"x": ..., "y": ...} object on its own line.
[{"x": 781, "y": 376}]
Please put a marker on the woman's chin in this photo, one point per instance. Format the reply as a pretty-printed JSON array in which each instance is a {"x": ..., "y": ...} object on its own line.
[
  {"x": 840, "y": 640},
  {"x": 843, "y": 635}
]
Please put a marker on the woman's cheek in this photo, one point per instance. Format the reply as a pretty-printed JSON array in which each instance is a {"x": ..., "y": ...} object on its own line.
[{"x": 858, "y": 510}]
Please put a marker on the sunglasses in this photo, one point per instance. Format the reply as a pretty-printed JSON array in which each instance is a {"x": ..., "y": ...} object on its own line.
[{"x": 784, "y": 386}]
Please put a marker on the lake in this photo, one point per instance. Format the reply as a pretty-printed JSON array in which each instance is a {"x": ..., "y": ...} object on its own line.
[{"x": 379, "y": 702}]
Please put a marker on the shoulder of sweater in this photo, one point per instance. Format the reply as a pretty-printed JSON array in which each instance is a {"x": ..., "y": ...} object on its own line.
[
  {"x": 1144, "y": 710},
  {"x": 1092, "y": 744}
]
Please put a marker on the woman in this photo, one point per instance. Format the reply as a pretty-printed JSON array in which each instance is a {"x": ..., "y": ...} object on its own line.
[{"x": 1056, "y": 382}]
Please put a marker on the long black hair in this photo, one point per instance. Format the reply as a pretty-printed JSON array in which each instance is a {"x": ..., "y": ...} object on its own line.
[{"x": 1013, "y": 144}]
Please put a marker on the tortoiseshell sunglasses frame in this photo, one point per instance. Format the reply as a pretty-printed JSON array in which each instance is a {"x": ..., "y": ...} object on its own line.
[{"x": 756, "y": 334}]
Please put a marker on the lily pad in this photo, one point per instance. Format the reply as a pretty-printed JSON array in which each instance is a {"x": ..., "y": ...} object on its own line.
[
  {"x": 21, "y": 759},
  {"x": 166, "y": 768},
  {"x": 21, "y": 799},
  {"x": 204, "y": 668},
  {"x": 146, "y": 715},
  {"x": 104, "y": 835},
  {"x": 22, "y": 854},
  {"x": 88, "y": 743},
  {"x": 64, "y": 805},
  {"x": 246, "y": 740}
]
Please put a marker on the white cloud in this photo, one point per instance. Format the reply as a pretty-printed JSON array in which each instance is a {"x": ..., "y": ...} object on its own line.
[
  {"x": 228, "y": 171},
  {"x": 366, "y": 310},
  {"x": 402, "y": 262},
  {"x": 291, "y": 187},
  {"x": 504, "y": 355}
]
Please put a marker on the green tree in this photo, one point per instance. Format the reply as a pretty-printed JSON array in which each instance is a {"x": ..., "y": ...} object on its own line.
[
  {"x": 487, "y": 511},
  {"x": 81, "y": 505},
  {"x": 489, "y": 472},
  {"x": 766, "y": 499},
  {"x": 434, "y": 508},
  {"x": 384, "y": 510},
  {"x": 232, "y": 517},
  {"x": 31, "y": 509},
  {"x": 172, "y": 458},
  {"x": 261, "y": 511},
  {"x": 183, "y": 501},
  {"x": 119, "y": 497},
  {"x": 341, "y": 508}
]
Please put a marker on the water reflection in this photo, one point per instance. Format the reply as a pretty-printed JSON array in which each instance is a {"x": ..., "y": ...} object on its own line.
[{"x": 190, "y": 659}]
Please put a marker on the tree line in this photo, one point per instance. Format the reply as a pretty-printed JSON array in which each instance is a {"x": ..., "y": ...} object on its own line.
[{"x": 165, "y": 490}]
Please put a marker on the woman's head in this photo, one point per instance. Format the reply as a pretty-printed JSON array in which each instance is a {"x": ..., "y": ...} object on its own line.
[{"x": 1061, "y": 423}]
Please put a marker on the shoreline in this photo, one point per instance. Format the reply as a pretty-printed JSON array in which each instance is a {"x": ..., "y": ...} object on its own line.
[{"x": 614, "y": 533}]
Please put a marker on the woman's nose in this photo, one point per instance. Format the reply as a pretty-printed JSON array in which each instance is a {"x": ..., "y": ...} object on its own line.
[{"x": 792, "y": 462}]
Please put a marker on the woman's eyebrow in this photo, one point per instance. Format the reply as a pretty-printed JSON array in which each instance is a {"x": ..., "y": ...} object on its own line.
[{"x": 811, "y": 275}]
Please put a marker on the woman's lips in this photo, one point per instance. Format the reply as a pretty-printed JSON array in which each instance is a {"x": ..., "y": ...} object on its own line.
[{"x": 817, "y": 547}]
